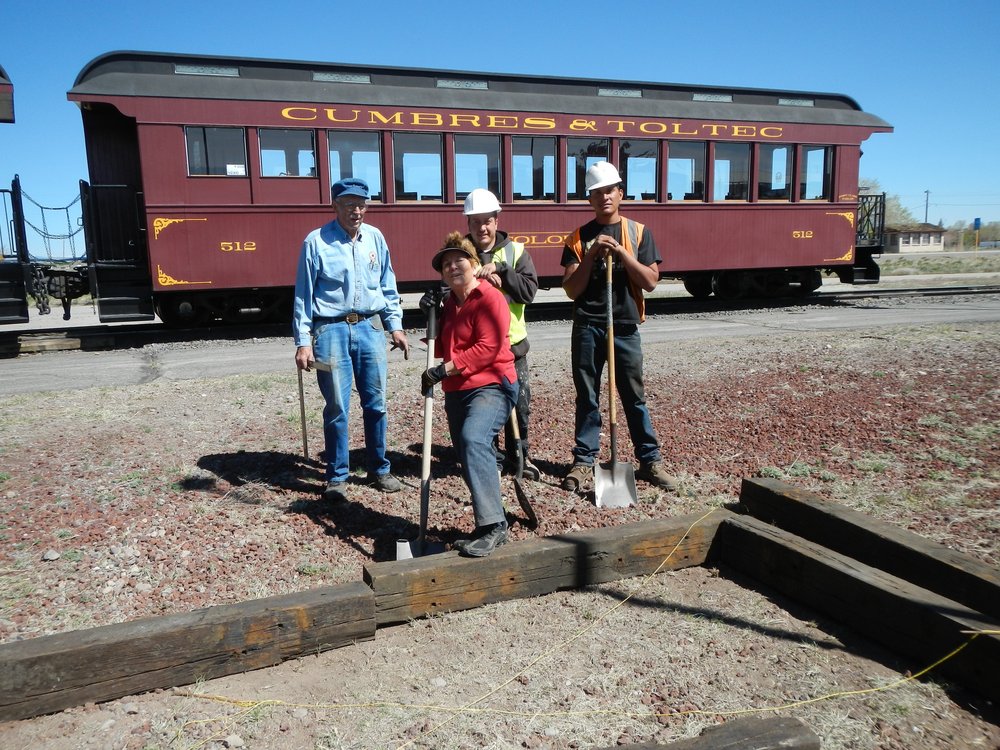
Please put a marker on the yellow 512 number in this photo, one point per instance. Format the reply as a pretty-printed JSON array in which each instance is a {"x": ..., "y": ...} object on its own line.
[{"x": 237, "y": 247}]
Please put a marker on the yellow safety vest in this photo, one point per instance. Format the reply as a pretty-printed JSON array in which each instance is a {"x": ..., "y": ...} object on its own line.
[
  {"x": 518, "y": 327},
  {"x": 631, "y": 237}
]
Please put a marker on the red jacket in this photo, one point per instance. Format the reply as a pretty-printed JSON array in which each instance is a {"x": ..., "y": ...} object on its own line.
[{"x": 474, "y": 336}]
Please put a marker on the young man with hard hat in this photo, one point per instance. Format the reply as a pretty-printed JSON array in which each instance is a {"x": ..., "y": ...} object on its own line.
[
  {"x": 345, "y": 300},
  {"x": 506, "y": 265},
  {"x": 629, "y": 246}
]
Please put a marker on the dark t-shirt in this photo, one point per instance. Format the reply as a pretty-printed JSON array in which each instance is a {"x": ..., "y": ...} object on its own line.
[{"x": 592, "y": 303}]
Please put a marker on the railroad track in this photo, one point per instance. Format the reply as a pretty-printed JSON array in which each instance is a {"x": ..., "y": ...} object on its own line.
[{"x": 546, "y": 308}]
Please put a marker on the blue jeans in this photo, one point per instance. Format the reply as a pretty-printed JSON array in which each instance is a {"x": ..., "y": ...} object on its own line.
[
  {"x": 475, "y": 417},
  {"x": 355, "y": 353},
  {"x": 589, "y": 353}
]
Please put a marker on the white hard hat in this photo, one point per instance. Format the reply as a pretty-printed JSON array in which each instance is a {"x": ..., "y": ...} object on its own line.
[
  {"x": 601, "y": 174},
  {"x": 481, "y": 201}
]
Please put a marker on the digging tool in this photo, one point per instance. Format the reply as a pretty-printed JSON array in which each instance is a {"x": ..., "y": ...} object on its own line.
[
  {"x": 522, "y": 496},
  {"x": 407, "y": 549},
  {"x": 614, "y": 482},
  {"x": 302, "y": 415}
]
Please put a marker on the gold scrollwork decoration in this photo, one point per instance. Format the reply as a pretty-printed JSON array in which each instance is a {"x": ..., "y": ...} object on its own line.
[
  {"x": 849, "y": 215},
  {"x": 160, "y": 223},
  {"x": 849, "y": 255},
  {"x": 166, "y": 279}
]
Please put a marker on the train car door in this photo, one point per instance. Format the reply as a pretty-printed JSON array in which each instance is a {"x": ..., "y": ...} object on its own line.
[
  {"x": 117, "y": 254},
  {"x": 15, "y": 267}
]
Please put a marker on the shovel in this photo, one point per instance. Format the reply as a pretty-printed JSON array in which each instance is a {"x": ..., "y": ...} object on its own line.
[
  {"x": 522, "y": 496},
  {"x": 405, "y": 549},
  {"x": 614, "y": 483}
]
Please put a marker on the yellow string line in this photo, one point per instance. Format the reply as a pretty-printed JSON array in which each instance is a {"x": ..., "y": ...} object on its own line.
[{"x": 252, "y": 705}]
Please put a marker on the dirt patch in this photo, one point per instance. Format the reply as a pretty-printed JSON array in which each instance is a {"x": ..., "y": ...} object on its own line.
[{"x": 170, "y": 496}]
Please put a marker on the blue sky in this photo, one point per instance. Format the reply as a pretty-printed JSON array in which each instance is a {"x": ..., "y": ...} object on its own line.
[{"x": 929, "y": 69}]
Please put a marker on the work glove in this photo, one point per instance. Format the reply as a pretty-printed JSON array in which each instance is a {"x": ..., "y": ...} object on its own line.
[
  {"x": 431, "y": 377},
  {"x": 432, "y": 299}
]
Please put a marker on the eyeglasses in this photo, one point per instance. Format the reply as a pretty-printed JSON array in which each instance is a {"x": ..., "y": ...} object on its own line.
[{"x": 362, "y": 207}]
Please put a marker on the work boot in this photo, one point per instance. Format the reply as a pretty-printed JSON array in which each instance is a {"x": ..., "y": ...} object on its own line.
[
  {"x": 386, "y": 482},
  {"x": 654, "y": 473},
  {"x": 575, "y": 477},
  {"x": 484, "y": 541},
  {"x": 531, "y": 471},
  {"x": 335, "y": 492}
]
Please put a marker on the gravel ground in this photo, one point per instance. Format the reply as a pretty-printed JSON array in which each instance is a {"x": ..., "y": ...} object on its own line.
[{"x": 170, "y": 496}]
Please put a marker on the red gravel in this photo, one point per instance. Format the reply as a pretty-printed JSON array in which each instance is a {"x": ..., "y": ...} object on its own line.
[{"x": 172, "y": 496}]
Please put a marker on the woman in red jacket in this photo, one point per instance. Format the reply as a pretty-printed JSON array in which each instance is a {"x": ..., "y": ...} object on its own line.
[{"x": 479, "y": 383}]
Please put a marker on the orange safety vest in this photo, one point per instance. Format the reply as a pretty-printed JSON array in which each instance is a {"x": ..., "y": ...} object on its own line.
[{"x": 631, "y": 237}]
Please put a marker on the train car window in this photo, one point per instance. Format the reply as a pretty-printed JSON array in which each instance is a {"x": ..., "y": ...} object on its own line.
[
  {"x": 287, "y": 153},
  {"x": 774, "y": 172},
  {"x": 356, "y": 154},
  {"x": 216, "y": 151},
  {"x": 580, "y": 154},
  {"x": 637, "y": 164},
  {"x": 815, "y": 173},
  {"x": 477, "y": 164},
  {"x": 534, "y": 164},
  {"x": 732, "y": 172},
  {"x": 686, "y": 171},
  {"x": 417, "y": 166}
]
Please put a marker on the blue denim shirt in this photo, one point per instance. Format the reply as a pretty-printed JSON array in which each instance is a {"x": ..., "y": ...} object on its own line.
[{"x": 337, "y": 276}]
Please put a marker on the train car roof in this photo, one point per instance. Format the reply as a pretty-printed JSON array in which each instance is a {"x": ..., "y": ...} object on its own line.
[
  {"x": 6, "y": 97},
  {"x": 169, "y": 75}
]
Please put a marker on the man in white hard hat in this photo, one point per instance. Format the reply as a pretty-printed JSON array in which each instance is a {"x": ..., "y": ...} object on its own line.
[
  {"x": 610, "y": 237},
  {"x": 507, "y": 266}
]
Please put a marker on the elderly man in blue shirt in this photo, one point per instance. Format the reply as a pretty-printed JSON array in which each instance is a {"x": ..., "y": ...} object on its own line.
[{"x": 345, "y": 299}]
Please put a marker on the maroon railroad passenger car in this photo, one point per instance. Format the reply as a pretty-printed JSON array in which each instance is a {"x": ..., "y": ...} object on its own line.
[{"x": 207, "y": 172}]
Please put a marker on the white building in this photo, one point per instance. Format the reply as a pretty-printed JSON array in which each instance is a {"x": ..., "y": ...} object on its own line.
[{"x": 923, "y": 238}]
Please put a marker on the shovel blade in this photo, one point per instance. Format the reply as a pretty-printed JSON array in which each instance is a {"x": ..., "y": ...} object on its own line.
[
  {"x": 614, "y": 485},
  {"x": 408, "y": 549},
  {"x": 525, "y": 503}
]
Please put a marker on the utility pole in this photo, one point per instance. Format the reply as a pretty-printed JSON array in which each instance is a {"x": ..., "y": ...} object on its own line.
[{"x": 927, "y": 201}]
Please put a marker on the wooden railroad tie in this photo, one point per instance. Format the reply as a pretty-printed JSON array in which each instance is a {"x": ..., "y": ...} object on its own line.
[{"x": 912, "y": 595}]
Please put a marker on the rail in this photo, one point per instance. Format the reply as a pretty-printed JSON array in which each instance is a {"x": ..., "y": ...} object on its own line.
[{"x": 133, "y": 335}]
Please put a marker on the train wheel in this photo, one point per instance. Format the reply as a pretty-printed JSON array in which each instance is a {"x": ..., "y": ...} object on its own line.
[
  {"x": 698, "y": 285},
  {"x": 181, "y": 312},
  {"x": 767, "y": 284},
  {"x": 813, "y": 281},
  {"x": 809, "y": 281},
  {"x": 729, "y": 284}
]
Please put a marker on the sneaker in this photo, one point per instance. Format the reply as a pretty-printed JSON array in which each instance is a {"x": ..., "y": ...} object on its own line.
[
  {"x": 335, "y": 492},
  {"x": 575, "y": 477},
  {"x": 656, "y": 475},
  {"x": 387, "y": 483},
  {"x": 485, "y": 540}
]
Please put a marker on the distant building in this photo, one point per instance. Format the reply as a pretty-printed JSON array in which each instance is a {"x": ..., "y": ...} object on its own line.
[{"x": 916, "y": 238}]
